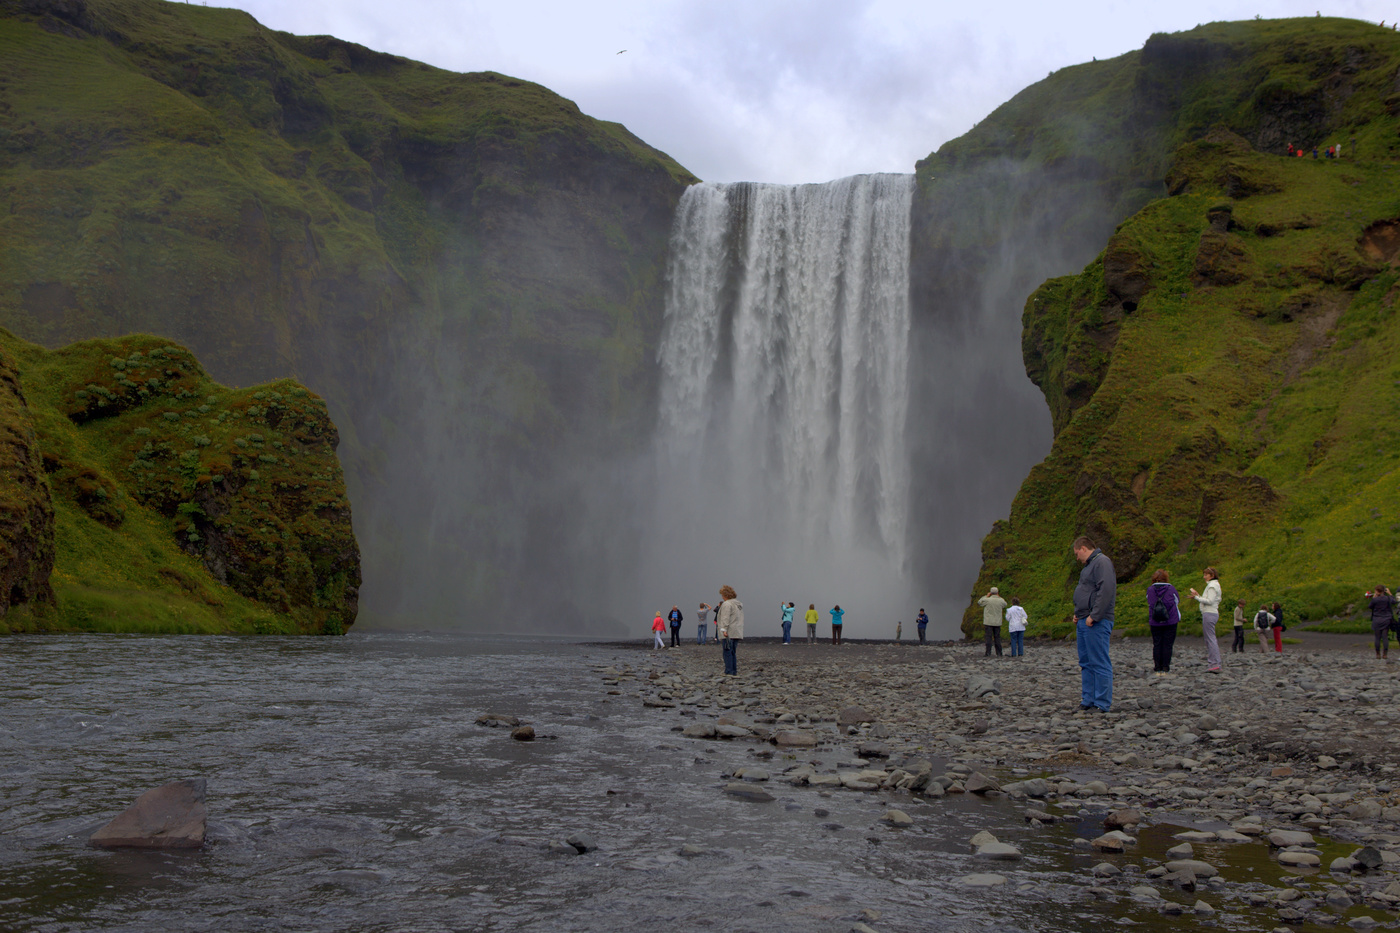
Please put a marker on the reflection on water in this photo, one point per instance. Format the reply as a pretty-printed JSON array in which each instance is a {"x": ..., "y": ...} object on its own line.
[{"x": 350, "y": 788}]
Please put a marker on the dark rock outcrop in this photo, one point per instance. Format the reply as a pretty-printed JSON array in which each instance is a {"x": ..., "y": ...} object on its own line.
[{"x": 172, "y": 816}]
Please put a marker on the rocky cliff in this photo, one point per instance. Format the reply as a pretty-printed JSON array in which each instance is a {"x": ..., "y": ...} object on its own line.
[
  {"x": 1217, "y": 377},
  {"x": 150, "y": 498},
  {"x": 465, "y": 266}
]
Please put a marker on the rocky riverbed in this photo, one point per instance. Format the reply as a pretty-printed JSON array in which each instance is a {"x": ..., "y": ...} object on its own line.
[{"x": 1264, "y": 795}]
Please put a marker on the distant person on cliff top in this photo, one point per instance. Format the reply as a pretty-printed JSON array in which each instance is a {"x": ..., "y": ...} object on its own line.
[
  {"x": 1263, "y": 623},
  {"x": 1238, "y": 643},
  {"x": 676, "y": 620},
  {"x": 836, "y": 613},
  {"x": 1382, "y": 619},
  {"x": 658, "y": 625},
  {"x": 729, "y": 620},
  {"x": 1094, "y": 600},
  {"x": 1278, "y": 628},
  {"x": 1016, "y": 628},
  {"x": 812, "y": 619},
  {"x": 703, "y": 634},
  {"x": 1163, "y": 616},
  {"x": 993, "y": 607},
  {"x": 1209, "y": 601},
  {"x": 788, "y": 610},
  {"x": 922, "y": 622}
]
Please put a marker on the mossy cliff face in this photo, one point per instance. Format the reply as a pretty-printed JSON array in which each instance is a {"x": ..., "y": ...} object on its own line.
[
  {"x": 1037, "y": 189},
  {"x": 465, "y": 266},
  {"x": 26, "y": 513},
  {"x": 1223, "y": 382},
  {"x": 167, "y": 502}
]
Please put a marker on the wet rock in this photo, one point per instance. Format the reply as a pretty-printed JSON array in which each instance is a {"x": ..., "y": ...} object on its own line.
[
  {"x": 983, "y": 838},
  {"x": 1299, "y": 858},
  {"x": 982, "y": 880},
  {"x": 753, "y": 775},
  {"x": 693, "y": 851},
  {"x": 1198, "y": 868},
  {"x": 853, "y": 716},
  {"x": 979, "y": 783},
  {"x": 495, "y": 720},
  {"x": 1106, "y": 870},
  {"x": 523, "y": 733},
  {"x": 1092, "y": 789},
  {"x": 1339, "y": 900},
  {"x": 172, "y": 816},
  {"x": 861, "y": 928},
  {"x": 980, "y": 685},
  {"x": 1040, "y": 816},
  {"x": 1183, "y": 880},
  {"x": 747, "y": 792},
  {"x": 582, "y": 842},
  {"x": 1283, "y": 838},
  {"x": 700, "y": 730},
  {"x": 725, "y": 731},
  {"x": 1369, "y": 858},
  {"x": 1343, "y": 863},
  {"x": 1122, "y": 819},
  {"x": 873, "y": 750},
  {"x": 1326, "y": 762},
  {"x": 897, "y": 818},
  {"x": 1202, "y": 909},
  {"x": 1145, "y": 892},
  {"x": 1196, "y": 836},
  {"x": 795, "y": 740},
  {"x": 998, "y": 850},
  {"x": 1182, "y": 851}
]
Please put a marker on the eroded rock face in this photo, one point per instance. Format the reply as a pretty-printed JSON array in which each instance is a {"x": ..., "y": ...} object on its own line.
[
  {"x": 26, "y": 509},
  {"x": 170, "y": 817}
]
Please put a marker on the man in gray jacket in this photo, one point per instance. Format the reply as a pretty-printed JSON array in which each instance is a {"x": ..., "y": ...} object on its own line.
[
  {"x": 993, "y": 608},
  {"x": 1093, "y": 624}
]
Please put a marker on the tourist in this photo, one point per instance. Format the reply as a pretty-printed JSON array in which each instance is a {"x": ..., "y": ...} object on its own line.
[
  {"x": 1278, "y": 628},
  {"x": 836, "y": 613},
  {"x": 812, "y": 619},
  {"x": 658, "y": 625},
  {"x": 1163, "y": 616},
  {"x": 1209, "y": 601},
  {"x": 1382, "y": 618},
  {"x": 788, "y": 610},
  {"x": 1263, "y": 621},
  {"x": 676, "y": 620},
  {"x": 993, "y": 606},
  {"x": 922, "y": 622},
  {"x": 1093, "y": 623},
  {"x": 703, "y": 635},
  {"x": 1016, "y": 628},
  {"x": 729, "y": 622},
  {"x": 1238, "y": 643}
]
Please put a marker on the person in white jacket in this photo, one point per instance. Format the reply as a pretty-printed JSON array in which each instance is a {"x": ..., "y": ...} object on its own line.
[
  {"x": 1016, "y": 626},
  {"x": 730, "y": 622},
  {"x": 1209, "y": 601}
]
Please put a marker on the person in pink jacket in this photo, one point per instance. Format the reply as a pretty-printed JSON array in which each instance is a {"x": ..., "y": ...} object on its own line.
[{"x": 658, "y": 625}]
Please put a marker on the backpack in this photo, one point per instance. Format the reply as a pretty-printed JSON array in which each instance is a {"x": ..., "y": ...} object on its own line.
[
  {"x": 1160, "y": 614},
  {"x": 1261, "y": 620}
]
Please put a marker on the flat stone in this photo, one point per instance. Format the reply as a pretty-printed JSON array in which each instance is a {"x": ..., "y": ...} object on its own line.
[
  {"x": 690, "y": 850},
  {"x": 1146, "y": 892},
  {"x": 1121, "y": 819},
  {"x": 1196, "y": 836},
  {"x": 980, "y": 685},
  {"x": 700, "y": 730},
  {"x": 497, "y": 719},
  {"x": 853, "y": 716},
  {"x": 748, "y": 792},
  {"x": 658, "y": 703},
  {"x": 1301, "y": 859},
  {"x": 1326, "y": 762},
  {"x": 725, "y": 731},
  {"x": 1194, "y": 866},
  {"x": 897, "y": 818},
  {"x": 795, "y": 740},
  {"x": 998, "y": 850},
  {"x": 873, "y": 750},
  {"x": 1229, "y": 835},
  {"x": 1283, "y": 838},
  {"x": 983, "y": 880},
  {"x": 979, "y": 783},
  {"x": 1182, "y": 851},
  {"x": 1040, "y": 816},
  {"x": 172, "y": 816},
  {"x": 1108, "y": 843}
]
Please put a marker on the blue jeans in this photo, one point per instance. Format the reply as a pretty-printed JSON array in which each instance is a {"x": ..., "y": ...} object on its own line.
[
  {"x": 1018, "y": 643},
  {"x": 787, "y": 633},
  {"x": 731, "y": 657},
  {"x": 704, "y": 637},
  {"x": 1095, "y": 666}
]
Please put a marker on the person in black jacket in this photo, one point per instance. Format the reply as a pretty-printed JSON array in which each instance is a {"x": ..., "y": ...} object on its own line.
[
  {"x": 676, "y": 619},
  {"x": 1382, "y": 619},
  {"x": 1094, "y": 600},
  {"x": 1278, "y": 628}
]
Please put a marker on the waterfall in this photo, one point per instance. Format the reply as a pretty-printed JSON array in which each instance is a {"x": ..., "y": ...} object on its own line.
[{"x": 784, "y": 363}]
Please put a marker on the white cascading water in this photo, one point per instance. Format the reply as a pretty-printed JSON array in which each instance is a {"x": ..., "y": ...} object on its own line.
[{"x": 784, "y": 364}]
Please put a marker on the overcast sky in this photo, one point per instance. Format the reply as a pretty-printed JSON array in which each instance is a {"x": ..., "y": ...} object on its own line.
[{"x": 775, "y": 90}]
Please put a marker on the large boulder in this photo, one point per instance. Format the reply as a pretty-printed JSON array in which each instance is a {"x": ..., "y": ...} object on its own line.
[{"x": 169, "y": 817}]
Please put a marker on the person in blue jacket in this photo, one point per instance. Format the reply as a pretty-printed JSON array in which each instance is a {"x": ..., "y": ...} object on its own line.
[
  {"x": 836, "y": 613},
  {"x": 788, "y": 610},
  {"x": 1094, "y": 599},
  {"x": 922, "y": 620}
]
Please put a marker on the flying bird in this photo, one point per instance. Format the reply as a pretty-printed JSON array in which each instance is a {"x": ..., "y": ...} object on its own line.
[{"x": 622, "y": 51}]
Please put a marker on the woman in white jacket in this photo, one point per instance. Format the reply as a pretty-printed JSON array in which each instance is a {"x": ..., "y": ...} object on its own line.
[
  {"x": 1209, "y": 601},
  {"x": 729, "y": 619}
]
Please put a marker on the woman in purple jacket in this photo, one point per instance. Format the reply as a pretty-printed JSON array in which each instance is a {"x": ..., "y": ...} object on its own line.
[{"x": 1163, "y": 616}]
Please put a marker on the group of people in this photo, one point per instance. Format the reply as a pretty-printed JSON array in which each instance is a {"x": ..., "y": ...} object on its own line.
[
  {"x": 1331, "y": 152},
  {"x": 1164, "y": 615},
  {"x": 1384, "y": 617},
  {"x": 729, "y": 626},
  {"x": 994, "y": 608}
]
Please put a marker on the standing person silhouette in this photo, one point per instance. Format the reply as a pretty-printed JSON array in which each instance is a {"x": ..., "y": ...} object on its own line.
[
  {"x": 836, "y": 613},
  {"x": 812, "y": 619},
  {"x": 993, "y": 608},
  {"x": 1209, "y": 602},
  {"x": 676, "y": 619},
  {"x": 729, "y": 621},
  {"x": 1094, "y": 600},
  {"x": 922, "y": 622},
  {"x": 788, "y": 610}
]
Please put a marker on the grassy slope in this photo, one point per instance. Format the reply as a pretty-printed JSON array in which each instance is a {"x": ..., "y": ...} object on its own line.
[
  {"x": 1241, "y": 415},
  {"x": 162, "y": 479},
  {"x": 301, "y": 206}
]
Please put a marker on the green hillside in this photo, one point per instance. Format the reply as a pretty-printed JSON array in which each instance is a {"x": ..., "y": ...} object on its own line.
[
  {"x": 161, "y": 501},
  {"x": 1223, "y": 380},
  {"x": 465, "y": 266}
]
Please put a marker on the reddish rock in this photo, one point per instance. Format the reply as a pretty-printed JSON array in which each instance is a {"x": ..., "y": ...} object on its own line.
[{"x": 169, "y": 817}]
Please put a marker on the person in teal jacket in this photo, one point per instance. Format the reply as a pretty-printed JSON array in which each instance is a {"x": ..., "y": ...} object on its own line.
[
  {"x": 836, "y": 614},
  {"x": 788, "y": 610}
]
